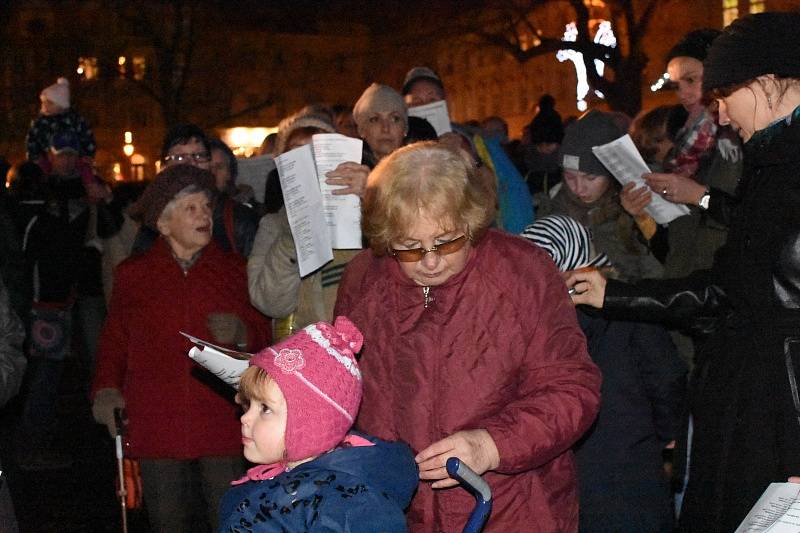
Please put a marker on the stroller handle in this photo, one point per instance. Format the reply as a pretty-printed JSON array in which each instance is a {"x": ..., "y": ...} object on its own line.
[{"x": 475, "y": 484}]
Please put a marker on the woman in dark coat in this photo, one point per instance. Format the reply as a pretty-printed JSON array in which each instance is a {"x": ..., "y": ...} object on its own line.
[{"x": 744, "y": 396}]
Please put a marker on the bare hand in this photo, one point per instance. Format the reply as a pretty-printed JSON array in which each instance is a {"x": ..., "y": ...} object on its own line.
[
  {"x": 794, "y": 479},
  {"x": 634, "y": 199},
  {"x": 675, "y": 188},
  {"x": 589, "y": 286},
  {"x": 351, "y": 176},
  {"x": 474, "y": 447},
  {"x": 227, "y": 328}
]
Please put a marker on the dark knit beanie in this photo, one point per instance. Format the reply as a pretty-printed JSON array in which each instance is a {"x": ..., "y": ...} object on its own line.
[
  {"x": 764, "y": 43},
  {"x": 694, "y": 44},
  {"x": 592, "y": 129},
  {"x": 168, "y": 183}
]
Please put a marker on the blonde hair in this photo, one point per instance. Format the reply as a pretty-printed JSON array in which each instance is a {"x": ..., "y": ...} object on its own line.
[
  {"x": 253, "y": 383},
  {"x": 428, "y": 178}
]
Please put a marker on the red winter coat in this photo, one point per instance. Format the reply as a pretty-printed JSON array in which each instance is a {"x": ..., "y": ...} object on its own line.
[
  {"x": 176, "y": 408},
  {"x": 499, "y": 348}
]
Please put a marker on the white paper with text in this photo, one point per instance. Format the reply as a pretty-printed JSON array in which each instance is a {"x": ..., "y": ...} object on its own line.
[
  {"x": 227, "y": 365},
  {"x": 304, "y": 208},
  {"x": 342, "y": 212},
  {"x": 776, "y": 511},
  {"x": 436, "y": 113},
  {"x": 623, "y": 160}
]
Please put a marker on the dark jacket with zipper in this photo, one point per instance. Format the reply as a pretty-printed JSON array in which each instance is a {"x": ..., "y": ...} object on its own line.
[{"x": 744, "y": 396}]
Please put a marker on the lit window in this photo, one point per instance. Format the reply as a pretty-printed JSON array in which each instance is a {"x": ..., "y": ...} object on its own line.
[
  {"x": 87, "y": 68},
  {"x": 757, "y": 6},
  {"x": 730, "y": 11},
  {"x": 139, "y": 67}
]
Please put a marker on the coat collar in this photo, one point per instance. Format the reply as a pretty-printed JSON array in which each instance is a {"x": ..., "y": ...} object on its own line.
[{"x": 779, "y": 148}]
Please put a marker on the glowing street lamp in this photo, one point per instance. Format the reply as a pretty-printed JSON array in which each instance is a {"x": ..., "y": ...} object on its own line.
[{"x": 128, "y": 148}]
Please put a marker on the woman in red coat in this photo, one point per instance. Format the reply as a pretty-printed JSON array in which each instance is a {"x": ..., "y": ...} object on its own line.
[
  {"x": 471, "y": 347},
  {"x": 183, "y": 423}
]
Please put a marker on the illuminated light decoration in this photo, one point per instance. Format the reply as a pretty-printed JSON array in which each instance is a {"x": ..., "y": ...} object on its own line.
[
  {"x": 117, "y": 172},
  {"x": 128, "y": 137},
  {"x": 604, "y": 36},
  {"x": 245, "y": 141},
  {"x": 121, "y": 60},
  {"x": 660, "y": 82},
  {"x": 128, "y": 149},
  {"x": 80, "y": 70}
]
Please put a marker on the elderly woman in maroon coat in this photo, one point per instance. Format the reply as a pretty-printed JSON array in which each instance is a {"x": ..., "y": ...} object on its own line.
[
  {"x": 472, "y": 348},
  {"x": 182, "y": 427}
]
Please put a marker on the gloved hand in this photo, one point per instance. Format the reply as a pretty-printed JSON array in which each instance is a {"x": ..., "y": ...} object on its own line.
[
  {"x": 105, "y": 401},
  {"x": 227, "y": 328}
]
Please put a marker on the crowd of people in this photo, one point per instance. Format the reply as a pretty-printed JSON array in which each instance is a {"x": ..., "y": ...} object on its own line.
[{"x": 513, "y": 305}]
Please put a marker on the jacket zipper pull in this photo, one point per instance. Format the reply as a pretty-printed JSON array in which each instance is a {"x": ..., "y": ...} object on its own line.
[{"x": 426, "y": 294}]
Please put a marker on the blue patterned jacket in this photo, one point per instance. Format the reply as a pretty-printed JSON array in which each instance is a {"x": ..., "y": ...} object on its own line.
[{"x": 355, "y": 489}]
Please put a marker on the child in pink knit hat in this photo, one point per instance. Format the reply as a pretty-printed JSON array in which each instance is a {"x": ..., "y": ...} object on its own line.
[{"x": 300, "y": 400}]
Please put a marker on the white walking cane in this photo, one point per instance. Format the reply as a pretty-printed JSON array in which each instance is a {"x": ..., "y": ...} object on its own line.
[{"x": 119, "y": 422}]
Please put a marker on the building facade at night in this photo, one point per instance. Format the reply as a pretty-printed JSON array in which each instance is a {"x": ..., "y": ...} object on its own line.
[{"x": 121, "y": 70}]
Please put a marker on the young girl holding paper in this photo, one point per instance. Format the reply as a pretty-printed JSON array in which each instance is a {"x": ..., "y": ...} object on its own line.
[{"x": 590, "y": 195}]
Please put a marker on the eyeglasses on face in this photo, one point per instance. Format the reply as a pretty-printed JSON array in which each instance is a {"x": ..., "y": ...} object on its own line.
[
  {"x": 416, "y": 254},
  {"x": 197, "y": 157}
]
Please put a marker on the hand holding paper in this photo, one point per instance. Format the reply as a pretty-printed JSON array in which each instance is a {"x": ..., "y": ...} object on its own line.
[
  {"x": 227, "y": 365},
  {"x": 349, "y": 178},
  {"x": 676, "y": 188},
  {"x": 623, "y": 160}
]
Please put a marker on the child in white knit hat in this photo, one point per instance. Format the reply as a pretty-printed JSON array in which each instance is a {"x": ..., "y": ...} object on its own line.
[{"x": 57, "y": 116}]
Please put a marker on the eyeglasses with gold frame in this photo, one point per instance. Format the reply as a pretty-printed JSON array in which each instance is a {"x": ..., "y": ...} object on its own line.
[{"x": 416, "y": 254}]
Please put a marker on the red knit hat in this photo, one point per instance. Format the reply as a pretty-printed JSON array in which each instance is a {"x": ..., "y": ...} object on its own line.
[{"x": 317, "y": 373}]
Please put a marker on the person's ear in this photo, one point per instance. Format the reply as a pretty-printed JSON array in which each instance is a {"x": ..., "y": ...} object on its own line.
[
  {"x": 163, "y": 225},
  {"x": 769, "y": 85}
]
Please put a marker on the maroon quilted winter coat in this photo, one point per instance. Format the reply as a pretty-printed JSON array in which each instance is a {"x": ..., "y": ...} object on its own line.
[
  {"x": 499, "y": 348},
  {"x": 176, "y": 408}
]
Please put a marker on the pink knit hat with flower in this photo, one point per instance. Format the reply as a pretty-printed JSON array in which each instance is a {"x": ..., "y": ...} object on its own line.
[{"x": 317, "y": 373}]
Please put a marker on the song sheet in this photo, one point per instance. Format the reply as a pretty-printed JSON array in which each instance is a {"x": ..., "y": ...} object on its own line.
[
  {"x": 227, "y": 365},
  {"x": 436, "y": 113},
  {"x": 776, "y": 511},
  {"x": 342, "y": 212},
  {"x": 623, "y": 160},
  {"x": 253, "y": 171},
  {"x": 304, "y": 208}
]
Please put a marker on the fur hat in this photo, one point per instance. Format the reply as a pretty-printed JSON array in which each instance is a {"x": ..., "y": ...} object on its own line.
[
  {"x": 297, "y": 121},
  {"x": 694, "y": 44},
  {"x": 58, "y": 93},
  {"x": 317, "y": 373},
  {"x": 754, "y": 45},
  {"x": 591, "y": 129},
  {"x": 420, "y": 73},
  {"x": 381, "y": 98},
  {"x": 567, "y": 241},
  {"x": 168, "y": 183}
]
